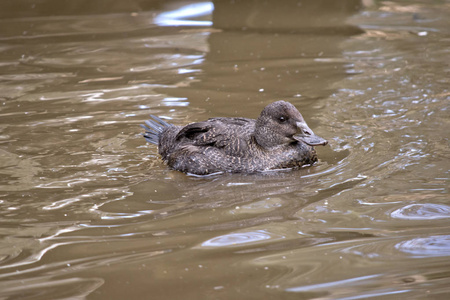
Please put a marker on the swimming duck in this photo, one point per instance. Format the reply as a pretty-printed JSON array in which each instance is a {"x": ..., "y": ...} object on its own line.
[{"x": 279, "y": 138}]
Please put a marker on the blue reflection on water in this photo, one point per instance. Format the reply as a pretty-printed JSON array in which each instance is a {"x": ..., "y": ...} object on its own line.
[
  {"x": 237, "y": 238},
  {"x": 183, "y": 16},
  {"x": 436, "y": 245},
  {"x": 422, "y": 211}
]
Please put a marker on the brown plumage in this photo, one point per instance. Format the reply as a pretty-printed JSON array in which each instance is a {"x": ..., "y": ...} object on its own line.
[{"x": 279, "y": 138}]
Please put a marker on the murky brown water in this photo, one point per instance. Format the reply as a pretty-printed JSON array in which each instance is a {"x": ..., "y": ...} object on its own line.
[{"x": 89, "y": 211}]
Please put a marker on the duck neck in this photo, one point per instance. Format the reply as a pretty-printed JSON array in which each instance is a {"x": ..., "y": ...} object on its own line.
[{"x": 263, "y": 137}]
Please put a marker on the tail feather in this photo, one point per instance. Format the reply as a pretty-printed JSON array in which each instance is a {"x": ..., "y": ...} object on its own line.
[
  {"x": 154, "y": 129},
  {"x": 164, "y": 123},
  {"x": 154, "y": 126}
]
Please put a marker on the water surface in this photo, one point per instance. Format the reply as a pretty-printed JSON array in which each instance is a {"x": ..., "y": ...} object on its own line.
[{"x": 88, "y": 210}]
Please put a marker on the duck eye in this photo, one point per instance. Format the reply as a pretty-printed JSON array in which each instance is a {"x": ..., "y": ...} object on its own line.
[{"x": 282, "y": 119}]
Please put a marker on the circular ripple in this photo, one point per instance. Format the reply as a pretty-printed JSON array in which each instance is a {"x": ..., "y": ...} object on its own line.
[
  {"x": 425, "y": 211},
  {"x": 437, "y": 245},
  {"x": 238, "y": 238}
]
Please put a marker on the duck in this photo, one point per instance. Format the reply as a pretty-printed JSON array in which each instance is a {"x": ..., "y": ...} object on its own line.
[{"x": 278, "y": 139}]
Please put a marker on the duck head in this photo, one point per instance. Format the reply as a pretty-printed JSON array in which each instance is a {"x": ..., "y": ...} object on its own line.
[{"x": 281, "y": 123}]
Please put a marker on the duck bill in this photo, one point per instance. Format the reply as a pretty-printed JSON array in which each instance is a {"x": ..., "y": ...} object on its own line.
[
  {"x": 307, "y": 136},
  {"x": 312, "y": 140}
]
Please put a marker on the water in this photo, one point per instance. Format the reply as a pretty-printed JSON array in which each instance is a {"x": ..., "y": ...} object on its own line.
[{"x": 89, "y": 211}]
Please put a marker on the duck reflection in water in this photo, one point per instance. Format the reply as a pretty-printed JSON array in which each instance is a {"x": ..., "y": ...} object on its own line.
[{"x": 278, "y": 139}]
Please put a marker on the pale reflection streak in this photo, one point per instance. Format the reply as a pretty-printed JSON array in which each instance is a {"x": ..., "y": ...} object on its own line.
[
  {"x": 37, "y": 256},
  {"x": 119, "y": 216},
  {"x": 101, "y": 79},
  {"x": 175, "y": 101},
  {"x": 180, "y": 17},
  {"x": 101, "y": 95},
  {"x": 75, "y": 265},
  {"x": 47, "y": 285},
  {"x": 62, "y": 203},
  {"x": 63, "y": 183},
  {"x": 35, "y": 76},
  {"x": 328, "y": 170},
  {"x": 187, "y": 71},
  {"x": 59, "y": 121},
  {"x": 333, "y": 284}
]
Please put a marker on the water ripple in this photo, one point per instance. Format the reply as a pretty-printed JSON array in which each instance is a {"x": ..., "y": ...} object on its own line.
[
  {"x": 426, "y": 211},
  {"x": 239, "y": 238},
  {"x": 431, "y": 246}
]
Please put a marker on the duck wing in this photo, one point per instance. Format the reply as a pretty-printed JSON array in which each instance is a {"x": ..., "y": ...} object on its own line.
[
  {"x": 201, "y": 134},
  {"x": 216, "y": 132}
]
